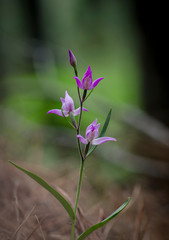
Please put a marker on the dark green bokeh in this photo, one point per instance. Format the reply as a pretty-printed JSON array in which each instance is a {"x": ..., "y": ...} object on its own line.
[{"x": 101, "y": 34}]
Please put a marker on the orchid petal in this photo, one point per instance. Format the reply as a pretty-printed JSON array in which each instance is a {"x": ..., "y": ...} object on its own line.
[
  {"x": 95, "y": 83},
  {"x": 68, "y": 105},
  {"x": 56, "y": 111},
  {"x": 96, "y": 130},
  {"x": 87, "y": 79},
  {"x": 68, "y": 99},
  {"x": 66, "y": 113},
  {"x": 97, "y": 126},
  {"x": 88, "y": 72},
  {"x": 89, "y": 69},
  {"x": 79, "y": 84},
  {"x": 95, "y": 122},
  {"x": 84, "y": 109},
  {"x": 77, "y": 111},
  {"x": 88, "y": 129},
  {"x": 62, "y": 100},
  {"x": 98, "y": 141},
  {"x": 92, "y": 131},
  {"x": 82, "y": 139}
]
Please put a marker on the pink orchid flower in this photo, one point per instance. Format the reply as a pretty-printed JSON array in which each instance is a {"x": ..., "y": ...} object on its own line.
[
  {"x": 67, "y": 107},
  {"x": 92, "y": 132},
  {"x": 87, "y": 81}
]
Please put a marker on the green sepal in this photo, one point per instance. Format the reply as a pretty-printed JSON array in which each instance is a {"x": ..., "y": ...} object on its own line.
[
  {"x": 45, "y": 185},
  {"x": 67, "y": 119},
  {"x": 106, "y": 123},
  {"x": 102, "y": 223},
  {"x": 73, "y": 120},
  {"x": 88, "y": 95}
]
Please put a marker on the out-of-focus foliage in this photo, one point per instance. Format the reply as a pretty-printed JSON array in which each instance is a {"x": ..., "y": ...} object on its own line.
[{"x": 101, "y": 34}]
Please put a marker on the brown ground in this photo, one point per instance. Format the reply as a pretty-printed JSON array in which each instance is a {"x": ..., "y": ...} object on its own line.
[{"x": 29, "y": 212}]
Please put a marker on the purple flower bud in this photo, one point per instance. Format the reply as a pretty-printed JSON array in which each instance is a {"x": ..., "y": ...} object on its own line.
[
  {"x": 87, "y": 81},
  {"x": 92, "y": 132},
  {"x": 67, "y": 107},
  {"x": 72, "y": 59}
]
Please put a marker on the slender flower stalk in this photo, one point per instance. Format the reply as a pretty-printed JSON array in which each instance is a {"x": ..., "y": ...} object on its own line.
[
  {"x": 77, "y": 198},
  {"x": 78, "y": 131},
  {"x": 73, "y": 63},
  {"x": 80, "y": 174},
  {"x": 92, "y": 131}
]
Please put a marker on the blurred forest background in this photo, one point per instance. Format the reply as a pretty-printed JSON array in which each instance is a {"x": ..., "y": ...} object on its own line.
[{"x": 124, "y": 42}]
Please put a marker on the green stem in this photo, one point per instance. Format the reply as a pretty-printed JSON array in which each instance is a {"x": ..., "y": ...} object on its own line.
[
  {"x": 80, "y": 117},
  {"x": 75, "y": 70},
  {"x": 80, "y": 150},
  {"x": 76, "y": 74},
  {"x": 77, "y": 198},
  {"x": 73, "y": 230},
  {"x": 78, "y": 90},
  {"x": 82, "y": 162},
  {"x": 78, "y": 128},
  {"x": 79, "y": 186}
]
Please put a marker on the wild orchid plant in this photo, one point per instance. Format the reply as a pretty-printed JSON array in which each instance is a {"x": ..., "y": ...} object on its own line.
[{"x": 92, "y": 137}]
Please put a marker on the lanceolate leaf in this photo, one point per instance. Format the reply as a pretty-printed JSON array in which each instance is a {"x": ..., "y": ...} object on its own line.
[
  {"x": 106, "y": 123},
  {"x": 45, "y": 185},
  {"x": 102, "y": 223}
]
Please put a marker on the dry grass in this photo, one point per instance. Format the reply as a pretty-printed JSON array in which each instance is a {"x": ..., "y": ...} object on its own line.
[{"x": 29, "y": 212}]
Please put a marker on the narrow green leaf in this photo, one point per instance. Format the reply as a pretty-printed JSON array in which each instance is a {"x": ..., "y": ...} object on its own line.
[
  {"x": 106, "y": 220},
  {"x": 45, "y": 185},
  {"x": 106, "y": 123}
]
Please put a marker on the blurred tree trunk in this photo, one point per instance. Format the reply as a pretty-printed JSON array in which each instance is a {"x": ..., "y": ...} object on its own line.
[
  {"x": 31, "y": 9},
  {"x": 2, "y": 73},
  {"x": 153, "y": 24}
]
